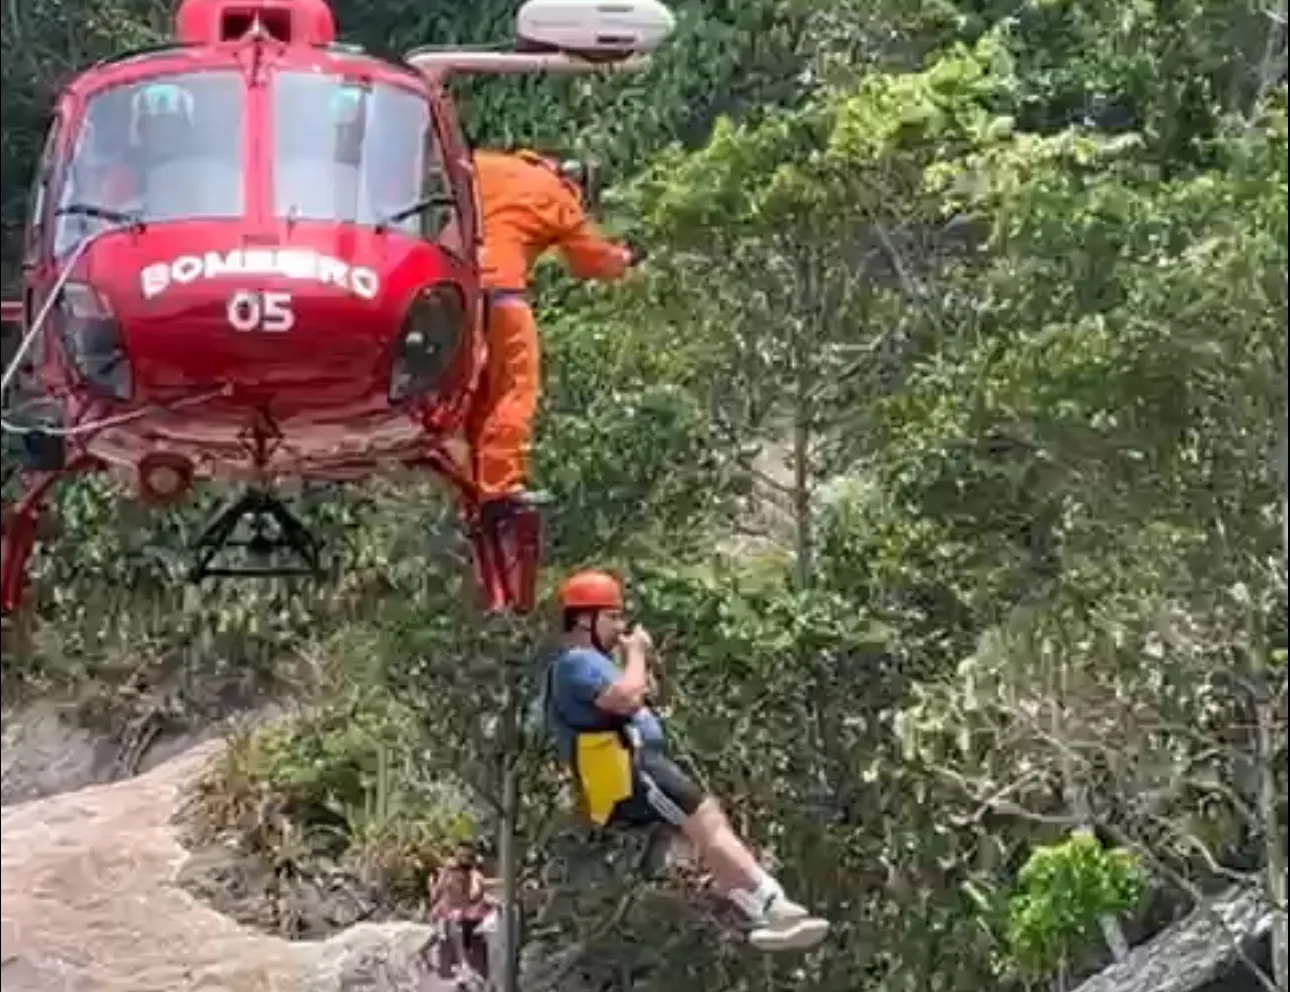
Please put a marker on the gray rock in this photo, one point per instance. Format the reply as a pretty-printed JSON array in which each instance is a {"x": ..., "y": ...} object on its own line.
[
  {"x": 90, "y": 904},
  {"x": 46, "y": 751},
  {"x": 376, "y": 958},
  {"x": 43, "y": 973},
  {"x": 314, "y": 902},
  {"x": 44, "y": 754}
]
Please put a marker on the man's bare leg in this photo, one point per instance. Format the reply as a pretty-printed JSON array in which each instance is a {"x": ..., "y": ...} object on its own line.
[
  {"x": 721, "y": 850},
  {"x": 779, "y": 923}
]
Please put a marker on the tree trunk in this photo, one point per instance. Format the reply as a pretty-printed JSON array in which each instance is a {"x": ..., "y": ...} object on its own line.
[
  {"x": 804, "y": 537},
  {"x": 1273, "y": 841},
  {"x": 1077, "y": 792},
  {"x": 804, "y": 335},
  {"x": 507, "y": 978}
]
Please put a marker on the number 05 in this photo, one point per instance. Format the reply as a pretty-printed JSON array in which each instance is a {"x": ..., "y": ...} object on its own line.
[{"x": 269, "y": 311}]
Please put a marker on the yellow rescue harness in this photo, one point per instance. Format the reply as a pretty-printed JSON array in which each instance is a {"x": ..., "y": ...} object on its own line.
[{"x": 602, "y": 771}]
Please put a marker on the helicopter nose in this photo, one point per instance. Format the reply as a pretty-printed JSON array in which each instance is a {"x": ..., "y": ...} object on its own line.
[{"x": 286, "y": 344}]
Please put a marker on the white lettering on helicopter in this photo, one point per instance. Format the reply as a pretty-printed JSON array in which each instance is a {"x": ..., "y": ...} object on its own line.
[
  {"x": 248, "y": 310},
  {"x": 289, "y": 263}
]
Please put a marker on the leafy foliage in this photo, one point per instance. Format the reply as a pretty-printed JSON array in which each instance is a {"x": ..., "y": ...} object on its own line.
[
  {"x": 941, "y": 439},
  {"x": 1062, "y": 891}
]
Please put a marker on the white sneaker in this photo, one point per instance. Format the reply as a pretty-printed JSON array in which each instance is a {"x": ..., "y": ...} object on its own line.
[{"x": 786, "y": 926}]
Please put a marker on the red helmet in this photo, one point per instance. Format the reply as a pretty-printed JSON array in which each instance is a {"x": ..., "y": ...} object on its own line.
[{"x": 591, "y": 590}]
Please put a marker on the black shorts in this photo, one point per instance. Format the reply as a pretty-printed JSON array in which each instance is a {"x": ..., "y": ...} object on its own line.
[
  {"x": 662, "y": 793},
  {"x": 473, "y": 945}
]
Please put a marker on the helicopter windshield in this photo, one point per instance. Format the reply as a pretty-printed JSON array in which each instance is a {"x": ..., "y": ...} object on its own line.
[
  {"x": 166, "y": 148},
  {"x": 360, "y": 153}
]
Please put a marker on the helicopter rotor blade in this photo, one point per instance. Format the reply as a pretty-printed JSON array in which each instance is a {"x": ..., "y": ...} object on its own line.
[{"x": 447, "y": 61}]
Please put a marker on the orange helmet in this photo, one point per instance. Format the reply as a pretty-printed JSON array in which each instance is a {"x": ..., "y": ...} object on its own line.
[{"x": 591, "y": 590}]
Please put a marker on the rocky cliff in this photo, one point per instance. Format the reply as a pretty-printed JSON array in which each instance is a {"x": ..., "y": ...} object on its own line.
[{"x": 91, "y": 904}]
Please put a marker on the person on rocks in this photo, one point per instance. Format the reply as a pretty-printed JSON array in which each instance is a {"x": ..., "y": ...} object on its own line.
[
  {"x": 616, "y": 748},
  {"x": 459, "y": 903}
]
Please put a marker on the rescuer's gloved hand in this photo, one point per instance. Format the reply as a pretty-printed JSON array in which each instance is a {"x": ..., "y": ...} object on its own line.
[{"x": 638, "y": 251}]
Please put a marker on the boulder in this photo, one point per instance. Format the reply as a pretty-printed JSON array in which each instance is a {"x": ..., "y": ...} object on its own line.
[{"x": 91, "y": 903}]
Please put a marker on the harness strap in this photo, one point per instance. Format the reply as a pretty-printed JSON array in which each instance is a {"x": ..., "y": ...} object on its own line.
[
  {"x": 506, "y": 295},
  {"x": 550, "y": 702},
  {"x": 605, "y": 774}
]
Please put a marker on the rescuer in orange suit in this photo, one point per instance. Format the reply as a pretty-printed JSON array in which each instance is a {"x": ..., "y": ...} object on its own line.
[{"x": 530, "y": 204}]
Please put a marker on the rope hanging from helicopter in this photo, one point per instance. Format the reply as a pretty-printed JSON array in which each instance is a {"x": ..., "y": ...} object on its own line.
[
  {"x": 33, "y": 332},
  {"x": 116, "y": 420}
]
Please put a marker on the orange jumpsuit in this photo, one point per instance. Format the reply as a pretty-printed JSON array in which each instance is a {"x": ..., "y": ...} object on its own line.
[{"x": 527, "y": 209}]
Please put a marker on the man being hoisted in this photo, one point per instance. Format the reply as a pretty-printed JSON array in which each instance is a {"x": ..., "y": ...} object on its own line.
[
  {"x": 617, "y": 751},
  {"x": 529, "y": 204}
]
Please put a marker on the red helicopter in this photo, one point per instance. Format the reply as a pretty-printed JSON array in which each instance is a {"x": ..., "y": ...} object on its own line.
[{"x": 252, "y": 255}]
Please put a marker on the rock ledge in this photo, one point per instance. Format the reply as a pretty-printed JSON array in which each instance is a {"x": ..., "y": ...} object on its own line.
[{"x": 90, "y": 903}]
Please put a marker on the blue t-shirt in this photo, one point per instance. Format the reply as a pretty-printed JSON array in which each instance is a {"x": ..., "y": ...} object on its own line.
[{"x": 577, "y": 678}]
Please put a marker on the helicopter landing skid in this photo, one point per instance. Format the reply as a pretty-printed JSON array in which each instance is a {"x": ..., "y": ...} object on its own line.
[
  {"x": 22, "y": 525},
  {"x": 273, "y": 529}
]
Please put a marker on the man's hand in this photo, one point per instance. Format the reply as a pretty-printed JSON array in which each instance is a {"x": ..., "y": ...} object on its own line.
[{"x": 637, "y": 639}]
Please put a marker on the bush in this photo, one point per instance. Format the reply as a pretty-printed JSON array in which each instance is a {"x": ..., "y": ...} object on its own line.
[
  {"x": 1062, "y": 891},
  {"x": 341, "y": 780}
]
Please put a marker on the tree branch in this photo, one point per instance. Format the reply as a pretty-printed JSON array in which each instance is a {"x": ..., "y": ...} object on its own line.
[{"x": 1202, "y": 903}]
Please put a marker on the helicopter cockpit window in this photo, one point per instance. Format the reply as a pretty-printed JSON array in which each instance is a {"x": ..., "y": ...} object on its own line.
[
  {"x": 355, "y": 153},
  {"x": 162, "y": 149}
]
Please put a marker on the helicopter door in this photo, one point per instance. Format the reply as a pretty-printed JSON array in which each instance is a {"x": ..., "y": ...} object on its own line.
[
  {"x": 442, "y": 225},
  {"x": 453, "y": 156},
  {"x": 35, "y": 247}
]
